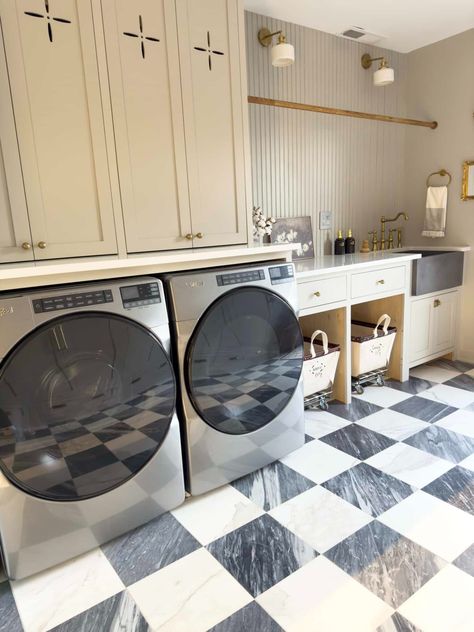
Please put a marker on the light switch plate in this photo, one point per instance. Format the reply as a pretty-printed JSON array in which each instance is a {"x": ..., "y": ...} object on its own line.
[{"x": 325, "y": 220}]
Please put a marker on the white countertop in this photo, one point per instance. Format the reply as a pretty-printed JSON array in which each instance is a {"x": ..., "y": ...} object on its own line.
[
  {"x": 445, "y": 248},
  {"x": 341, "y": 263},
  {"x": 33, "y": 274}
]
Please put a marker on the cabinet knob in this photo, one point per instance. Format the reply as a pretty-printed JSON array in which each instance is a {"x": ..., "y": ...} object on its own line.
[
  {"x": 437, "y": 302},
  {"x": 199, "y": 235},
  {"x": 380, "y": 282},
  {"x": 318, "y": 294},
  {"x": 42, "y": 244},
  {"x": 189, "y": 236},
  {"x": 26, "y": 245}
]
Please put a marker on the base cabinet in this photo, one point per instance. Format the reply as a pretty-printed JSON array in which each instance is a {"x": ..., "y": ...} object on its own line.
[{"x": 432, "y": 326}]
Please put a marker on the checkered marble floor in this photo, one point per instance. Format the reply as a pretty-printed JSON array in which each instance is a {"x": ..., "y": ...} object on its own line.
[{"x": 368, "y": 527}]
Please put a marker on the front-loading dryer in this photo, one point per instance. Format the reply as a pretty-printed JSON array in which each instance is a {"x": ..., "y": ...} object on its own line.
[
  {"x": 89, "y": 439},
  {"x": 239, "y": 352}
]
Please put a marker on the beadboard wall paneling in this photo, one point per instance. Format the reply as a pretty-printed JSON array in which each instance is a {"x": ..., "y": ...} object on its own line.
[{"x": 305, "y": 162}]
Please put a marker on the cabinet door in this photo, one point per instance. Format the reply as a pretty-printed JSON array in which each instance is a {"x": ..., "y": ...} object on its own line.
[
  {"x": 15, "y": 237},
  {"x": 53, "y": 68},
  {"x": 210, "y": 53},
  {"x": 420, "y": 329},
  {"x": 444, "y": 321},
  {"x": 143, "y": 62}
]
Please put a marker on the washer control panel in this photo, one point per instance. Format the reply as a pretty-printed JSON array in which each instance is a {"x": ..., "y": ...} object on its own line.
[
  {"x": 140, "y": 295},
  {"x": 281, "y": 274},
  {"x": 245, "y": 276},
  {"x": 68, "y": 301}
]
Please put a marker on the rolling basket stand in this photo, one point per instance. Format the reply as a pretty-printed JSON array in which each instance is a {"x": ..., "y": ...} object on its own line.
[
  {"x": 318, "y": 400},
  {"x": 372, "y": 378}
]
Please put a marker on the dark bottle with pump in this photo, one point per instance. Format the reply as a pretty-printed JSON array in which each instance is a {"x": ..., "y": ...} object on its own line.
[
  {"x": 339, "y": 246},
  {"x": 350, "y": 243}
]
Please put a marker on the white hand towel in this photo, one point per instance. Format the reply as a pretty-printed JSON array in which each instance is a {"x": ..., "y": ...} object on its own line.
[{"x": 435, "y": 218}]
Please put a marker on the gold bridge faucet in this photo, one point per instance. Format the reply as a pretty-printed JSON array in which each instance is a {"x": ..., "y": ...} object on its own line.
[{"x": 383, "y": 220}]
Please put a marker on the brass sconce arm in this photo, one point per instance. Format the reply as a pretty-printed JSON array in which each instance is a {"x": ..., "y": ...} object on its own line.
[{"x": 265, "y": 36}]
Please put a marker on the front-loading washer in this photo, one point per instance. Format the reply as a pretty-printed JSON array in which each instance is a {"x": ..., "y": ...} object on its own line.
[
  {"x": 89, "y": 438},
  {"x": 239, "y": 353}
]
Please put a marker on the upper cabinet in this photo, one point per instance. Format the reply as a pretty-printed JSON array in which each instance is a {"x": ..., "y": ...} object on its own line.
[
  {"x": 143, "y": 62},
  {"x": 210, "y": 48},
  {"x": 15, "y": 236},
  {"x": 53, "y": 69},
  {"x": 122, "y": 127}
]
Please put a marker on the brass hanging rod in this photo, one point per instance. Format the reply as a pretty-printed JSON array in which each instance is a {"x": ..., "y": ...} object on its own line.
[{"x": 338, "y": 112}]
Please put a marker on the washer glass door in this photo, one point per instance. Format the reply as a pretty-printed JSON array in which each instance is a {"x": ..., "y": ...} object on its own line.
[
  {"x": 85, "y": 401},
  {"x": 244, "y": 360}
]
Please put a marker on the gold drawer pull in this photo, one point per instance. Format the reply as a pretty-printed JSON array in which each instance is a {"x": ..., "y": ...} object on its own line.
[
  {"x": 188, "y": 236},
  {"x": 26, "y": 245},
  {"x": 199, "y": 235},
  {"x": 318, "y": 294},
  {"x": 42, "y": 244},
  {"x": 380, "y": 282},
  {"x": 437, "y": 302}
]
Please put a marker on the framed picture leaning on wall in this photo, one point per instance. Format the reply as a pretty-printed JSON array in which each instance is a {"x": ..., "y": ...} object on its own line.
[{"x": 293, "y": 230}]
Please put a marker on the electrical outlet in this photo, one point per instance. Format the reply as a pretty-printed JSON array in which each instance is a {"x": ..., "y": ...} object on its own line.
[{"x": 325, "y": 220}]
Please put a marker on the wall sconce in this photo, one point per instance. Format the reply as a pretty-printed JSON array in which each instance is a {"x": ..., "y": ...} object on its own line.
[
  {"x": 384, "y": 75},
  {"x": 283, "y": 54}
]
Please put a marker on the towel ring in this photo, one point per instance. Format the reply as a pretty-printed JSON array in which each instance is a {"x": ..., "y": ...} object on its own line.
[{"x": 441, "y": 172}]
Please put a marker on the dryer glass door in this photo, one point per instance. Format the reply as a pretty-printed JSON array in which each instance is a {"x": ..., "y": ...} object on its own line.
[
  {"x": 244, "y": 360},
  {"x": 85, "y": 401}
]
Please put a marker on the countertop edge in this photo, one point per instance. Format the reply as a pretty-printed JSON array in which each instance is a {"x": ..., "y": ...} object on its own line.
[{"x": 373, "y": 262}]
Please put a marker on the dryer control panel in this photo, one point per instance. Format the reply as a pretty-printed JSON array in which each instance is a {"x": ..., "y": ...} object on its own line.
[
  {"x": 68, "y": 301},
  {"x": 243, "y": 276},
  {"x": 281, "y": 274},
  {"x": 140, "y": 295}
]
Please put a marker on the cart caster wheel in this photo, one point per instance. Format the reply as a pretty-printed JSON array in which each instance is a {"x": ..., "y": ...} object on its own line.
[
  {"x": 324, "y": 406},
  {"x": 380, "y": 381},
  {"x": 358, "y": 389}
]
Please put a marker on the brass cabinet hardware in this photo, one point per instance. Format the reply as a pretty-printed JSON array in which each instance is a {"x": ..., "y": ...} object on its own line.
[
  {"x": 437, "y": 302},
  {"x": 42, "y": 244},
  {"x": 188, "y": 236},
  {"x": 380, "y": 282},
  {"x": 26, "y": 245},
  {"x": 199, "y": 235},
  {"x": 318, "y": 294}
]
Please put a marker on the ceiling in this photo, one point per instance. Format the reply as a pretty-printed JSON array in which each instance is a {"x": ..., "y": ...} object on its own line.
[{"x": 404, "y": 24}]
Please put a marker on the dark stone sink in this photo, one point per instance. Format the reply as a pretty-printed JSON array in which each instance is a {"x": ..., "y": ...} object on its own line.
[{"x": 436, "y": 270}]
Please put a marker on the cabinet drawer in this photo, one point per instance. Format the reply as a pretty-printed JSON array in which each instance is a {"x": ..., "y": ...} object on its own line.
[
  {"x": 320, "y": 292},
  {"x": 377, "y": 282}
]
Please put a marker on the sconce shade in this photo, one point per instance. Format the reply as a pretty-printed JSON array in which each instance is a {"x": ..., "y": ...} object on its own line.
[
  {"x": 283, "y": 54},
  {"x": 384, "y": 76}
]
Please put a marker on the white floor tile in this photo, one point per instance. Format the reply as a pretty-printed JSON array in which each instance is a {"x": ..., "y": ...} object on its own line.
[
  {"x": 413, "y": 466},
  {"x": 444, "y": 603},
  {"x": 318, "y": 461},
  {"x": 432, "y": 523},
  {"x": 320, "y": 518},
  {"x": 216, "y": 513},
  {"x": 393, "y": 424},
  {"x": 383, "y": 396},
  {"x": 468, "y": 463},
  {"x": 461, "y": 421},
  {"x": 449, "y": 395},
  {"x": 319, "y": 423},
  {"x": 194, "y": 593},
  {"x": 433, "y": 373},
  {"x": 54, "y": 596},
  {"x": 320, "y": 596}
]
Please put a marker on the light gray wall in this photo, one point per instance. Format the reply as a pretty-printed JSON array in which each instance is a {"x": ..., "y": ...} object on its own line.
[
  {"x": 303, "y": 162},
  {"x": 440, "y": 86}
]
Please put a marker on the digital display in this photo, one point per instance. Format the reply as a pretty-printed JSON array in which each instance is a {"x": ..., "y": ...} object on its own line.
[
  {"x": 129, "y": 293},
  {"x": 275, "y": 273}
]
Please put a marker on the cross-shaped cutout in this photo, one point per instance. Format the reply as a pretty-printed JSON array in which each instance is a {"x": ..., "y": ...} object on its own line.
[
  {"x": 208, "y": 50},
  {"x": 141, "y": 36},
  {"x": 49, "y": 19}
]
